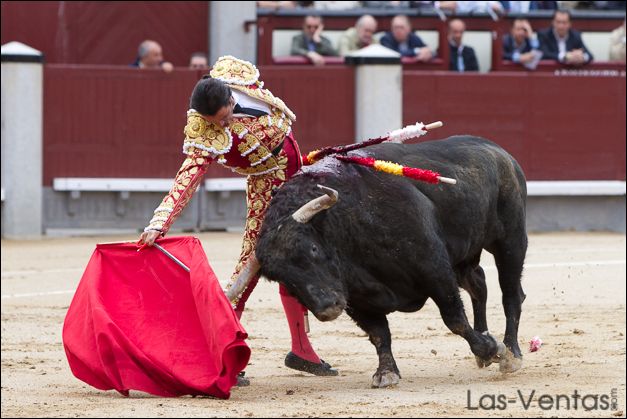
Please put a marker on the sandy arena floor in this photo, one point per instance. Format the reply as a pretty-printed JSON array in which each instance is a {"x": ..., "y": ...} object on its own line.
[{"x": 575, "y": 286}]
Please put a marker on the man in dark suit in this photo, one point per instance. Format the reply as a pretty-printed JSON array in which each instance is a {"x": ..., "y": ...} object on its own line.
[
  {"x": 519, "y": 41},
  {"x": 521, "y": 45},
  {"x": 562, "y": 43},
  {"x": 462, "y": 57},
  {"x": 403, "y": 40}
]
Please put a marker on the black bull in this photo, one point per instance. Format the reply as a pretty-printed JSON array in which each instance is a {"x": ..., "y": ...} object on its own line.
[{"x": 390, "y": 243}]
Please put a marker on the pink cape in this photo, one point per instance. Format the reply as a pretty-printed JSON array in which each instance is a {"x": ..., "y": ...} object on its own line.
[{"x": 139, "y": 321}]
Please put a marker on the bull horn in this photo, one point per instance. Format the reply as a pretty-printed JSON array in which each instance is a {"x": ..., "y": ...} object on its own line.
[
  {"x": 305, "y": 213},
  {"x": 245, "y": 276}
]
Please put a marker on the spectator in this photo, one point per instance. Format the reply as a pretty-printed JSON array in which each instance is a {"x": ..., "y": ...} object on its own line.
[
  {"x": 462, "y": 57},
  {"x": 472, "y": 6},
  {"x": 592, "y": 5},
  {"x": 617, "y": 44},
  {"x": 387, "y": 4},
  {"x": 335, "y": 5},
  {"x": 276, "y": 5},
  {"x": 403, "y": 40},
  {"x": 521, "y": 45},
  {"x": 570, "y": 5},
  {"x": 522, "y": 7},
  {"x": 150, "y": 56},
  {"x": 198, "y": 61},
  {"x": 562, "y": 43},
  {"x": 358, "y": 37},
  {"x": 310, "y": 43},
  {"x": 424, "y": 5},
  {"x": 609, "y": 5}
]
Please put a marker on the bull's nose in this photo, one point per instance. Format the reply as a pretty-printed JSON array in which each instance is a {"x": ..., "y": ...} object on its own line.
[{"x": 330, "y": 313}]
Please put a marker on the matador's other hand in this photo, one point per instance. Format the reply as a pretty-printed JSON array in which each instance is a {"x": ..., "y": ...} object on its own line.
[{"x": 148, "y": 238}]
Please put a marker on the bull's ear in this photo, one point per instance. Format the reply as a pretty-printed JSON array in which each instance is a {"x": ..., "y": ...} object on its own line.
[{"x": 305, "y": 213}]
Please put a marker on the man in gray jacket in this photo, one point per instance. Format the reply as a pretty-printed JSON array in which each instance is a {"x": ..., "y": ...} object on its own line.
[{"x": 310, "y": 43}]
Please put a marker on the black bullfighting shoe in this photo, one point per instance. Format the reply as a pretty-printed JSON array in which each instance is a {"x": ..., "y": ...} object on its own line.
[
  {"x": 242, "y": 381},
  {"x": 295, "y": 362}
]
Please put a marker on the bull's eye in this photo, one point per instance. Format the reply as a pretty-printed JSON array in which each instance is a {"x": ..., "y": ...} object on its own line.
[{"x": 314, "y": 250}]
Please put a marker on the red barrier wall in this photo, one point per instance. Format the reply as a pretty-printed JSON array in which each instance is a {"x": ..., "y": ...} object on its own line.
[
  {"x": 113, "y": 122},
  {"x": 107, "y": 32},
  {"x": 121, "y": 122},
  {"x": 558, "y": 128},
  {"x": 323, "y": 100}
]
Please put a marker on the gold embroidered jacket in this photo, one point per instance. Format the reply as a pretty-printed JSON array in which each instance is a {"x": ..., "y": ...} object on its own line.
[{"x": 245, "y": 146}]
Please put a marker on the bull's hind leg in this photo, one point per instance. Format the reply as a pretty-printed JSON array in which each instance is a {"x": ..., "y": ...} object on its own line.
[
  {"x": 376, "y": 326},
  {"x": 446, "y": 296},
  {"x": 509, "y": 262},
  {"x": 474, "y": 283}
]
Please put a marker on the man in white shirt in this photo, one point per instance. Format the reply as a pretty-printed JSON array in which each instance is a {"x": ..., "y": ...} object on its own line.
[{"x": 562, "y": 43}]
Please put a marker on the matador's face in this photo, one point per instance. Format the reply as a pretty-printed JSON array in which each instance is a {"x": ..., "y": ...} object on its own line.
[{"x": 224, "y": 114}]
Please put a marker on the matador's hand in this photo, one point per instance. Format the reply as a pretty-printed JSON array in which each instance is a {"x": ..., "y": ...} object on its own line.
[{"x": 148, "y": 238}]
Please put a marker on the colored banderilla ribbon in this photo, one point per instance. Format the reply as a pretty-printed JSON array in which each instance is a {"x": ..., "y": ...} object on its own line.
[
  {"x": 397, "y": 169},
  {"x": 396, "y": 136}
]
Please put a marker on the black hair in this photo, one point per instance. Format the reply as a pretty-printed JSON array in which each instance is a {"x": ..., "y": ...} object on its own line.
[
  {"x": 199, "y": 54},
  {"x": 564, "y": 12},
  {"x": 209, "y": 96},
  {"x": 314, "y": 16}
]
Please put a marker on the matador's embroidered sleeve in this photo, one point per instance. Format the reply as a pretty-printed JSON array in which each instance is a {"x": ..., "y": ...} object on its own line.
[{"x": 187, "y": 180}]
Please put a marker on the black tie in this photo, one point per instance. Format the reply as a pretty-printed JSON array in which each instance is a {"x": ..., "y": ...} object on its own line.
[{"x": 248, "y": 111}]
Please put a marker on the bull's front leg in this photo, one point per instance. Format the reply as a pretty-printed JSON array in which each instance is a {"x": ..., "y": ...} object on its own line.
[{"x": 376, "y": 326}]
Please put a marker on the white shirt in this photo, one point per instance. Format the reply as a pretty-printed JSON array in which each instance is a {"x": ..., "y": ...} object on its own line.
[
  {"x": 561, "y": 46},
  {"x": 246, "y": 101}
]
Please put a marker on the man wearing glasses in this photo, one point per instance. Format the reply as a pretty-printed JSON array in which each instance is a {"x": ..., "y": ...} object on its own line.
[{"x": 310, "y": 43}]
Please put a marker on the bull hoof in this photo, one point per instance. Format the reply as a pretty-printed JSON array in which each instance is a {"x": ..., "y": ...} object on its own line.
[
  {"x": 508, "y": 363},
  {"x": 482, "y": 363},
  {"x": 385, "y": 379},
  {"x": 500, "y": 352}
]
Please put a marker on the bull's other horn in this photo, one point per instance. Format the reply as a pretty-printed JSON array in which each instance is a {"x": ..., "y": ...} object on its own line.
[
  {"x": 311, "y": 208},
  {"x": 244, "y": 278}
]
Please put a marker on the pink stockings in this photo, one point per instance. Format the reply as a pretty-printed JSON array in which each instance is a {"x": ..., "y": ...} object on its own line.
[{"x": 295, "y": 314}]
